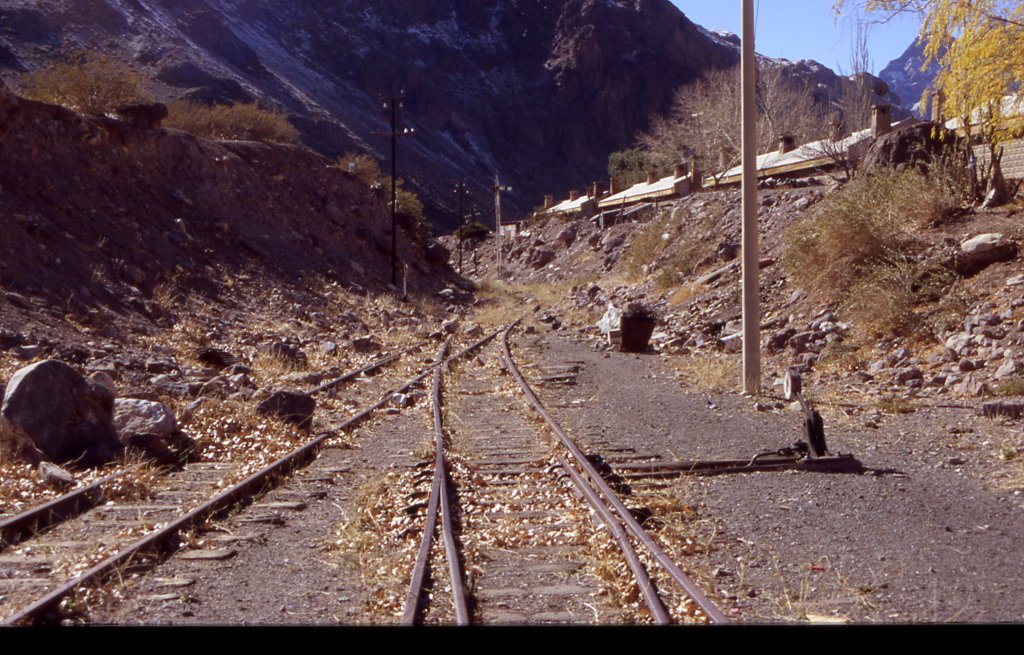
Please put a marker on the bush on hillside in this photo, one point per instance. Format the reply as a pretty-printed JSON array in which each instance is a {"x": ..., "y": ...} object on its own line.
[
  {"x": 858, "y": 247},
  {"x": 362, "y": 165},
  {"x": 243, "y": 122},
  {"x": 91, "y": 83},
  {"x": 408, "y": 210},
  {"x": 473, "y": 230}
]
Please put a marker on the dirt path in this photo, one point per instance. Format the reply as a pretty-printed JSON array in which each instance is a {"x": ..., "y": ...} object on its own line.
[{"x": 916, "y": 539}]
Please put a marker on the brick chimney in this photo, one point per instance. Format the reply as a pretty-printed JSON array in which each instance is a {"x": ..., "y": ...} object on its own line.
[
  {"x": 695, "y": 176},
  {"x": 614, "y": 186},
  {"x": 651, "y": 179},
  {"x": 881, "y": 120},
  {"x": 786, "y": 144},
  {"x": 938, "y": 100},
  {"x": 549, "y": 201},
  {"x": 680, "y": 170},
  {"x": 573, "y": 195},
  {"x": 596, "y": 190}
]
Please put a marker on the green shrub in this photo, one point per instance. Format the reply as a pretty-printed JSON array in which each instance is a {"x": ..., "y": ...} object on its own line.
[
  {"x": 245, "y": 122},
  {"x": 474, "y": 230},
  {"x": 90, "y": 83}
]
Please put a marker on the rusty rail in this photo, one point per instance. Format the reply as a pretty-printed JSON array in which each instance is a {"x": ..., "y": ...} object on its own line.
[
  {"x": 15, "y": 529},
  {"x": 164, "y": 539},
  {"x": 713, "y": 613},
  {"x": 440, "y": 498}
]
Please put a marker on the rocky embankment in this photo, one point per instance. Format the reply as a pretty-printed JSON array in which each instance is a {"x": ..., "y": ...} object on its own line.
[
  {"x": 144, "y": 271},
  {"x": 683, "y": 260}
]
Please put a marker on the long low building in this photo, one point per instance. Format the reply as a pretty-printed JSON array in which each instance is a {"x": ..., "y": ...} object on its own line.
[{"x": 652, "y": 190}]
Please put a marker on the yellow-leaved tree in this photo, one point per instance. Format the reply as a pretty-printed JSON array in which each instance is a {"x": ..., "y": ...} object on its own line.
[{"x": 978, "y": 44}]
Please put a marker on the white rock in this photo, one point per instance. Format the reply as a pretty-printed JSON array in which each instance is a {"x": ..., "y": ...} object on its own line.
[{"x": 134, "y": 416}]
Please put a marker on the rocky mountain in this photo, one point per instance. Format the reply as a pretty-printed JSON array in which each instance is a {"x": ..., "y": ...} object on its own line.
[
  {"x": 908, "y": 78},
  {"x": 540, "y": 92}
]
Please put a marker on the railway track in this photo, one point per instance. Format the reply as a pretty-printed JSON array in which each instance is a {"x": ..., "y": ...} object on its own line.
[
  {"x": 51, "y": 552},
  {"x": 512, "y": 523},
  {"x": 517, "y": 522}
]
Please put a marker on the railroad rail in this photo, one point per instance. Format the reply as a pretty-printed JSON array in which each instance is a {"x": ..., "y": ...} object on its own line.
[
  {"x": 165, "y": 538},
  {"x": 22, "y": 525},
  {"x": 608, "y": 509}
]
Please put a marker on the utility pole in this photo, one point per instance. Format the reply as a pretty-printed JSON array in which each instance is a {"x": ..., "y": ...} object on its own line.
[
  {"x": 460, "y": 190},
  {"x": 497, "y": 222},
  {"x": 751, "y": 245},
  {"x": 392, "y": 104}
]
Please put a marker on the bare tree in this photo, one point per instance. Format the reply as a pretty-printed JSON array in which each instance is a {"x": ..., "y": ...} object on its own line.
[
  {"x": 703, "y": 125},
  {"x": 786, "y": 107}
]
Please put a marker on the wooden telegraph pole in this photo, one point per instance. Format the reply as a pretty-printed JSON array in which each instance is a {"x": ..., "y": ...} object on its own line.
[
  {"x": 751, "y": 245},
  {"x": 497, "y": 222},
  {"x": 392, "y": 104}
]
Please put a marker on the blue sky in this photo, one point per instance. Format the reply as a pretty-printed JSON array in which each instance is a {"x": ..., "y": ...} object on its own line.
[{"x": 806, "y": 29}]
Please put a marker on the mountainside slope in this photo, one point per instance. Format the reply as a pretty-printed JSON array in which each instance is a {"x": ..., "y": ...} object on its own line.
[
  {"x": 540, "y": 92},
  {"x": 115, "y": 235}
]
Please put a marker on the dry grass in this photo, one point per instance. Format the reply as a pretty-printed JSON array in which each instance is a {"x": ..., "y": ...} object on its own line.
[
  {"x": 858, "y": 246},
  {"x": 232, "y": 432},
  {"x": 1014, "y": 387},
  {"x": 380, "y": 541},
  {"x": 717, "y": 373},
  {"x": 246, "y": 122},
  {"x": 896, "y": 405},
  {"x": 684, "y": 294}
]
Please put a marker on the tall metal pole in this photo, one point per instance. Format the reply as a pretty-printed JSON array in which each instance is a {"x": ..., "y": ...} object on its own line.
[
  {"x": 394, "y": 194},
  {"x": 460, "y": 188},
  {"x": 497, "y": 224},
  {"x": 392, "y": 104},
  {"x": 751, "y": 245}
]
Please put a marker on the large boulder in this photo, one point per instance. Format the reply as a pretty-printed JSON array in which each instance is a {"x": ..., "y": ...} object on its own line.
[
  {"x": 290, "y": 407},
  {"x": 151, "y": 427},
  {"x": 52, "y": 413},
  {"x": 914, "y": 145},
  {"x": 982, "y": 250}
]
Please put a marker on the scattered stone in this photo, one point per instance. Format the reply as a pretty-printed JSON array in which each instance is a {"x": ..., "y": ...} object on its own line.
[
  {"x": 328, "y": 349},
  {"x": 50, "y": 412},
  {"x": 289, "y": 406},
  {"x": 1008, "y": 368},
  {"x": 983, "y": 250},
  {"x": 218, "y": 359},
  {"x": 285, "y": 352},
  {"x": 1008, "y": 408},
  {"x": 973, "y": 386},
  {"x": 26, "y": 353},
  {"x": 104, "y": 379},
  {"x": 365, "y": 344},
  {"x": 732, "y": 343},
  {"x": 568, "y": 234},
  {"x": 134, "y": 416},
  {"x": 54, "y": 476},
  {"x": 152, "y": 428},
  {"x": 906, "y": 375},
  {"x": 157, "y": 367},
  {"x": 450, "y": 326},
  {"x": 779, "y": 340}
]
